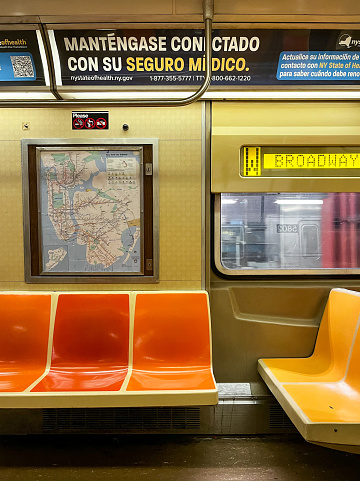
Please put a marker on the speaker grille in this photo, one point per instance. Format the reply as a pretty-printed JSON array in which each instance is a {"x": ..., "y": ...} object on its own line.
[
  {"x": 278, "y": 418},
  {"x": 121, "y": 419}
]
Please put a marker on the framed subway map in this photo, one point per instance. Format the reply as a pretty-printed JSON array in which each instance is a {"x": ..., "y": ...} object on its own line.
[{"x": 90, "y": 212}]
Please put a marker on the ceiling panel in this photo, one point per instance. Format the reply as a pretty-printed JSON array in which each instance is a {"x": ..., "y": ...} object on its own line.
[
  {"x": 181, "y": 11},
  {"x": 84, "y": 7},
  {"x": 274, "y": 7}
]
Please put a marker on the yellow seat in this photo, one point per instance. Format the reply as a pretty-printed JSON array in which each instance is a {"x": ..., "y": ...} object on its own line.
[
  {"x": 327, "y": 413},
  {"x": 324, "y": 404},
  {"x": 327, "y": 402},
  {"x": 332, "y": 349}
]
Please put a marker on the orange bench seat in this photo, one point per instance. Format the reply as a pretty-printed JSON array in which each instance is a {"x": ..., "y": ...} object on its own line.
[{"x": 106, "y": 349}]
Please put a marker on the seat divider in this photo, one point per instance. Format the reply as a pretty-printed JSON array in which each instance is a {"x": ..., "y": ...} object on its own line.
[
  {"x": 54, "y": 303},
  {"x": 132, "y": 302},
  {"x": 210, "y": 337}
]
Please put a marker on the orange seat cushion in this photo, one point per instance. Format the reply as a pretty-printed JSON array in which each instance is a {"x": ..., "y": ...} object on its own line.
[
  {"x": 24, "y": 334},
  {"x": 171, "y": 343},
  {"x": 90, "y": 345},
  {"x": 169, "y": 381}
]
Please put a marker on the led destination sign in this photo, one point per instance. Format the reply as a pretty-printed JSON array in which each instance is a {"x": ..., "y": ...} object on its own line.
[
  {"x": 312, "y": 161},
  {"x": 300, "y": 161}
]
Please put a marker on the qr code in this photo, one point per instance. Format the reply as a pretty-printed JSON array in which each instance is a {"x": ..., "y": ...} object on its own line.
[{"x": 22, "y": 66}]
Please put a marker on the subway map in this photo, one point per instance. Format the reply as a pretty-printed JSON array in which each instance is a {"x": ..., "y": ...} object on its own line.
[{"x": 90, "y": 211}]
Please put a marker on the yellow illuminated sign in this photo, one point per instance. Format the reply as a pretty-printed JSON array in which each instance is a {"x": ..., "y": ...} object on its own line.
[
  {"x": 311, "y": 160},
  {"x": 252, "y": 162}
]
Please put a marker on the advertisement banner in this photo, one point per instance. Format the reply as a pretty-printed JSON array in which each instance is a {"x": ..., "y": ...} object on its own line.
[
  {"x": 176, "y": 57},
  {"x": 20, "y": 59}
]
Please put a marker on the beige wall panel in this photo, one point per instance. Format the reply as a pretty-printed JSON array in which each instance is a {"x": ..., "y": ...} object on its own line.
[
  {"x": 179, "y": 134},
  {"x": 163, "y": 123},
  {"x": 11, "y": 250},
  {"x": 240, "y": 339},
  {"x": 180, "y": 211},
  {"x": 285, "y": 114},
  {"x": 162, "y": 286}
]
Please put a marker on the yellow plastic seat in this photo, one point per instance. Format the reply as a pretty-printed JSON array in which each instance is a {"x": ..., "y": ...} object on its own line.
[
  {"x": 332, "y": 349},
  {"x": 324, "y": 405},
  {"x": 327, "y": 413},
  {"x": 332, "y": 402},
  {"x": 327, "y": 402}
]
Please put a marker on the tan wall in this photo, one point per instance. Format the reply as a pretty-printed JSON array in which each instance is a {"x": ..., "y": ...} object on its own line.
[{"x": 179, "y": 134}]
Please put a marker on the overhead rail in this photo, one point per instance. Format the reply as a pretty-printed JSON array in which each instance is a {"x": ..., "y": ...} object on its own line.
[{"x": 208, "y": 14}]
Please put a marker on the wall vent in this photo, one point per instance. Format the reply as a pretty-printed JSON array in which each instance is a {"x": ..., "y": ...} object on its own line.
[
  {"x": 278, "y": 418},
  {"x": 121, "y": 419}
]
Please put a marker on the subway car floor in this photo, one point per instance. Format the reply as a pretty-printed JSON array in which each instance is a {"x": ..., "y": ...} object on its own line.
[{"x": 172, "y": 458}]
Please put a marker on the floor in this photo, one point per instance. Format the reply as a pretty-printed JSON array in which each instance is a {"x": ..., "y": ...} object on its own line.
[{"x": 160, "y": 458}]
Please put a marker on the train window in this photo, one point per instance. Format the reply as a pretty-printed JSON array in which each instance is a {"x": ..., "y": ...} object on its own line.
[
  {"x": 89, "y": 212},
  {"x": 282, "y": 233},
  {"x": 309, "y": 239}
]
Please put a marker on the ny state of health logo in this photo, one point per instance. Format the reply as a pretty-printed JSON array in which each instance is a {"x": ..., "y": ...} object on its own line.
[{"x": 346, "y": 40}]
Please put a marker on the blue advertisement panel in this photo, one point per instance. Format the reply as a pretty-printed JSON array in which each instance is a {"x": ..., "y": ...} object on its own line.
[
  {"x": 20, "y": 59},
  {"x": 335, "y": 66},
  {"x": 176, "y": 57}
]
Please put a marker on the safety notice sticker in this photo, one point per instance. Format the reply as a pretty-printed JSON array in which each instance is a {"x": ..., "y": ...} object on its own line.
[{"x": 90, "y": 120}]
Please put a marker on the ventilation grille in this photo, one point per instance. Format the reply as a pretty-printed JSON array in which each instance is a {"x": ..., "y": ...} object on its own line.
[
  {"x": 121, "y": 419},
  {"x": 278, "y": 418}
]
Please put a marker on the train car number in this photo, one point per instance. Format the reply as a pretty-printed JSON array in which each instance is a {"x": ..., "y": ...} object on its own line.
[{"x": 287, "y": 228}]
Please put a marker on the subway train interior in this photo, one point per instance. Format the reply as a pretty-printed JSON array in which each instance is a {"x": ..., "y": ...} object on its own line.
[{"x": 180, "y": 218}]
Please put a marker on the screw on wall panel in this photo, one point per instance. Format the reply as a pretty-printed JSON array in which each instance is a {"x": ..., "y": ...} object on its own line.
[{"x": 26, "y": 125}]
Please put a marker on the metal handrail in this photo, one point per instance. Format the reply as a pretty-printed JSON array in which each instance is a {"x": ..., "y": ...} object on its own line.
[{"x": 208, "y": 13}]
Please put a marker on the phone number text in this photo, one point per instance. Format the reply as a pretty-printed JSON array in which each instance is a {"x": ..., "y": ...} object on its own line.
[{"x": 199, "y": 78}]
